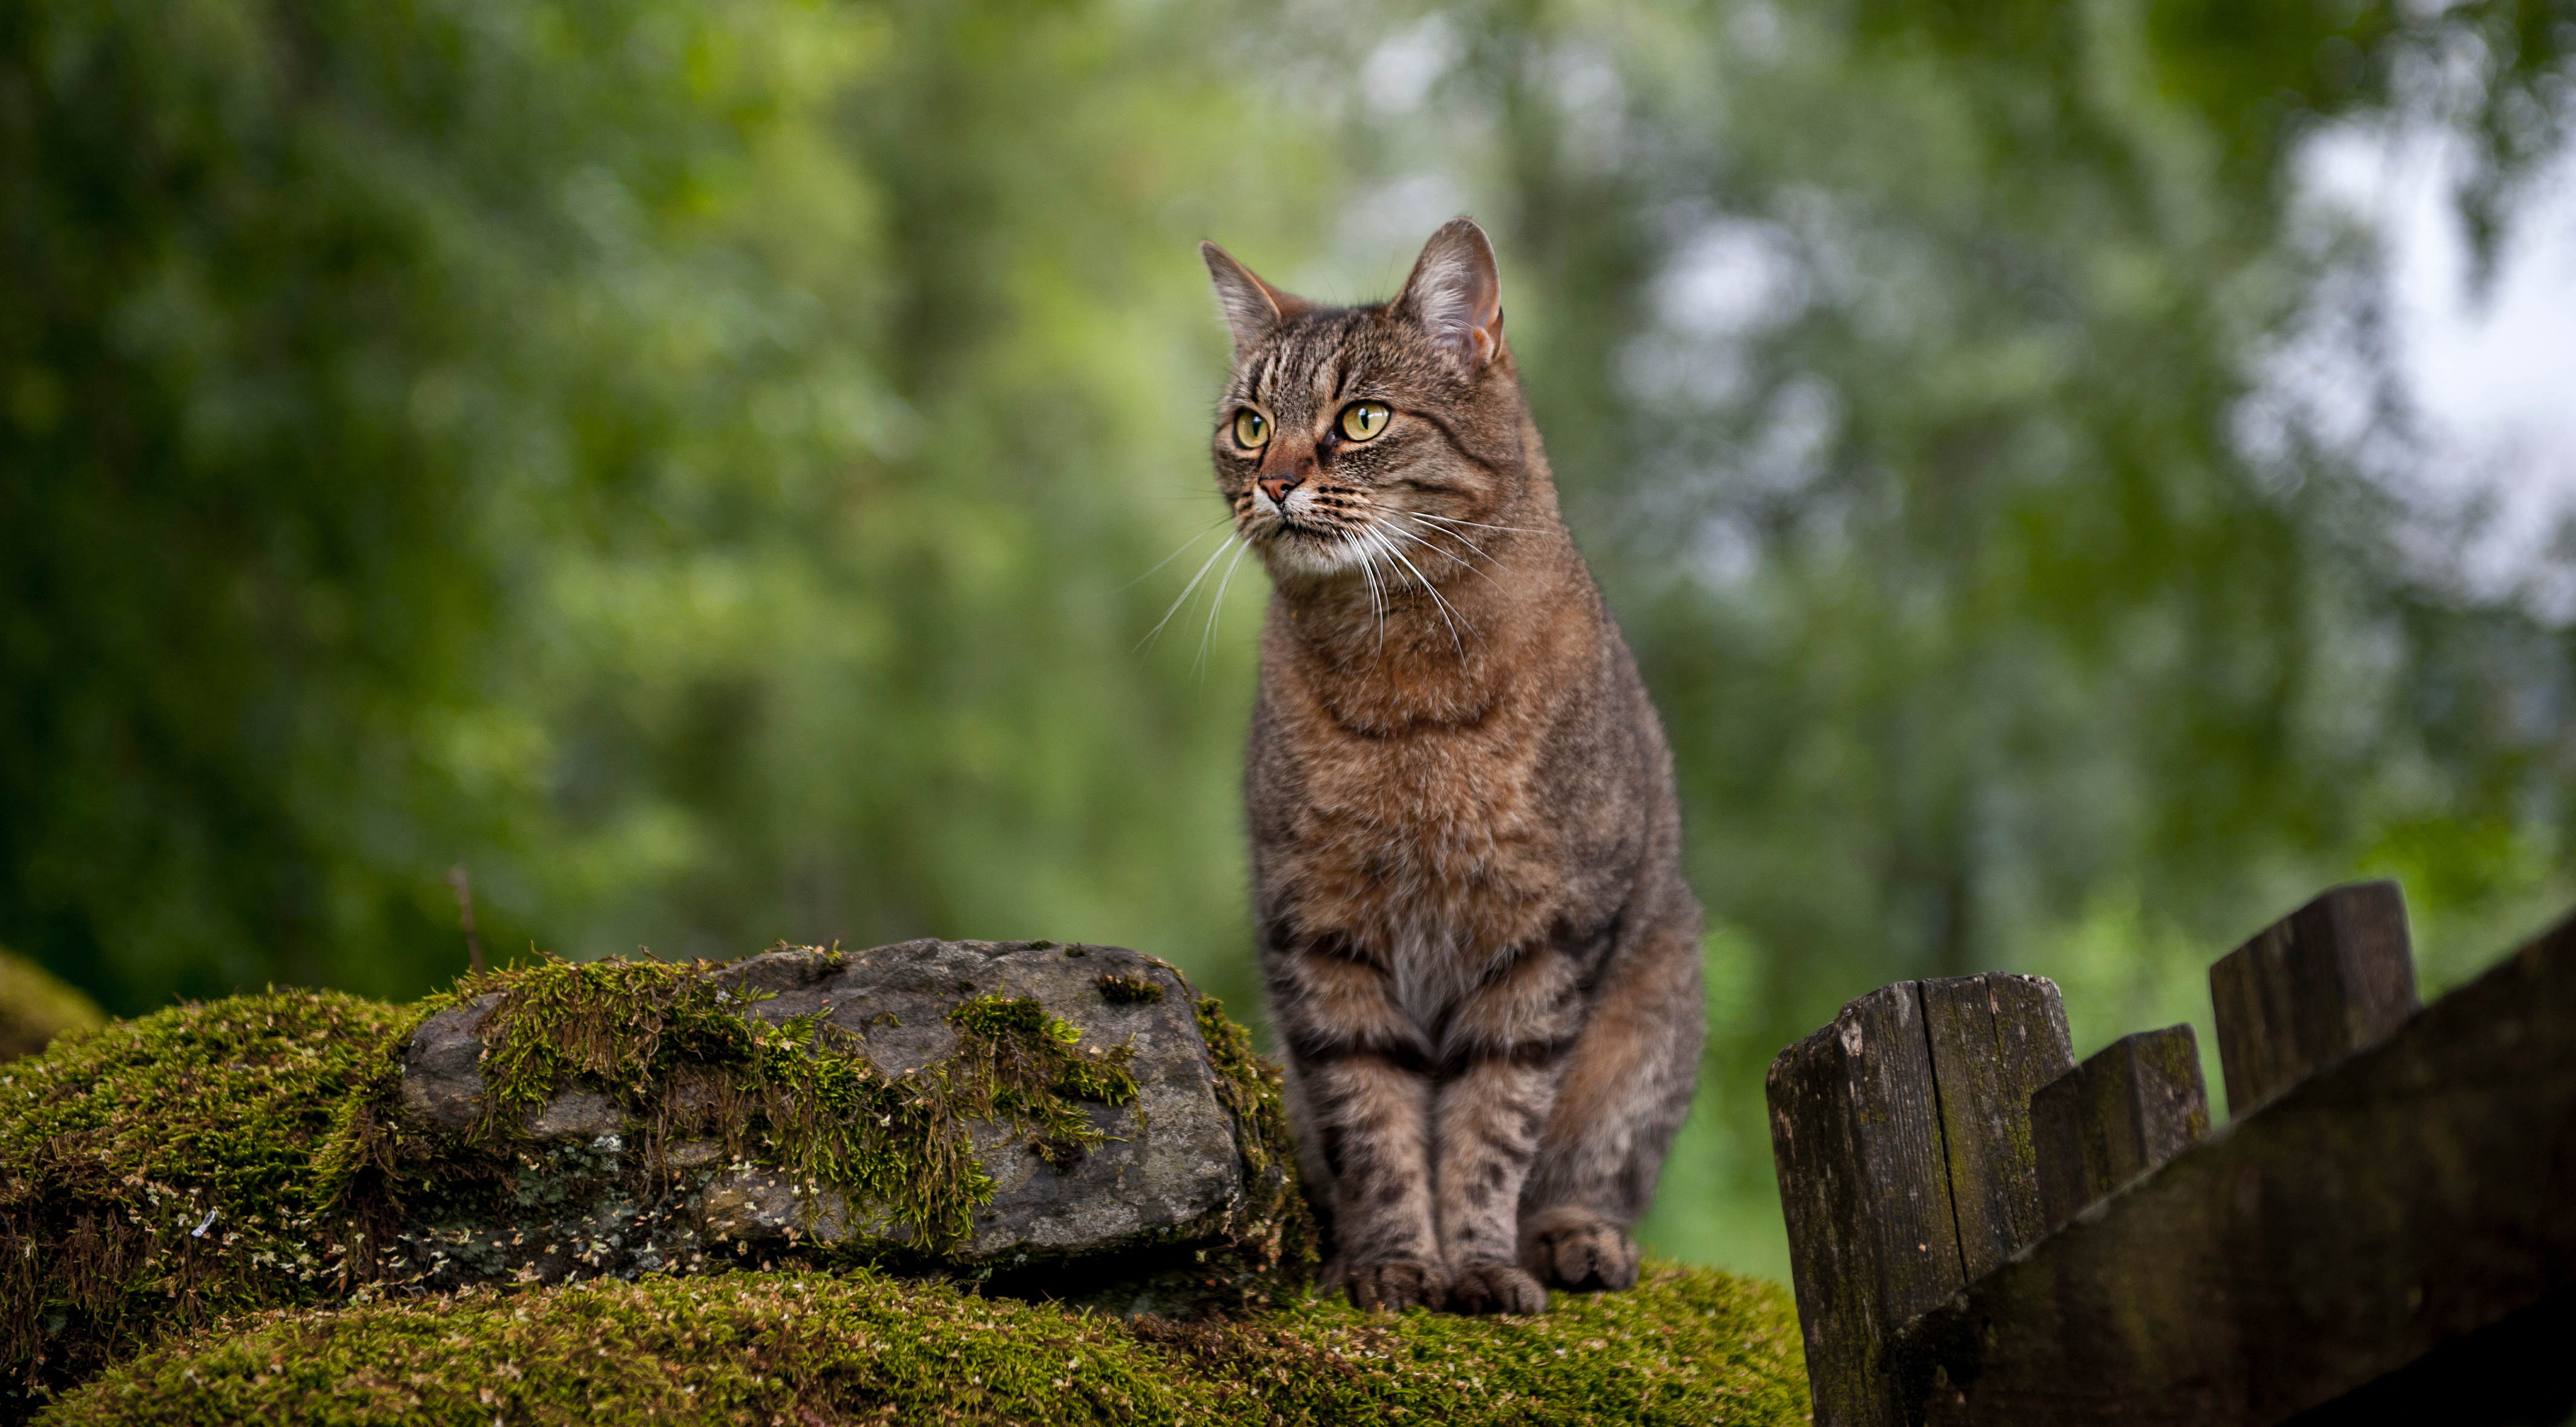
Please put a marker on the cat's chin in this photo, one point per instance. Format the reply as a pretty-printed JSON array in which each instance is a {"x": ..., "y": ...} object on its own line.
[{"x": 1312, "y": 555}]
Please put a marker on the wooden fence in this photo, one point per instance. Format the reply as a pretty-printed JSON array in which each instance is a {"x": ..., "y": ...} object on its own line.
[{"x": 1983, "y": 1231}]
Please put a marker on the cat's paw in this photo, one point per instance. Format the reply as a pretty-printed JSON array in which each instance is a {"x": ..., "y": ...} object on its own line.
[
  {"x": 1582, "y": 1253},
  {"x": 1495, "y": 1288},
  {"x": 1397, "y": 1284}
]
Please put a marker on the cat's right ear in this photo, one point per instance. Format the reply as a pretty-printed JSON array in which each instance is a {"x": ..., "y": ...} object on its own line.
[{"x": 1252, "y": 307}]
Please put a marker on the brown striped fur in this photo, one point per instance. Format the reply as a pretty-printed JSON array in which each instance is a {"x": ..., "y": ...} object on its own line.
[{"x": 1482, "y": 961}]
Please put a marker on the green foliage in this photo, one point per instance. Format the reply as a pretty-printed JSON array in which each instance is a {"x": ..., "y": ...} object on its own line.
[
  {"x": 36, "y": 1006},
  {"x": 652, "y": 454},
  {"x": 1909, "y": 371},
  {"x": 1687, "y": 1346}
]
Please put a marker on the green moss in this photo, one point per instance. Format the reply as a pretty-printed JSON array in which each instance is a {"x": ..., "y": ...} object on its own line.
[
  {"x": 1016, "y": 1063},
  {"x": 1129, "y": 988},
  {"x": 160, "y": 1172},
  {"x": 672, "y": 1043},
  {"x": 278, "y": 1114},
  {"x": 1251, "y": 1091},
  {"x": 1687, "y": 1346}
]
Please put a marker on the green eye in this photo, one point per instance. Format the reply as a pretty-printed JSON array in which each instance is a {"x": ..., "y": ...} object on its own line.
[
  {"x": 1363, "y": 419},
  {"x": 1250, "y": 430}
]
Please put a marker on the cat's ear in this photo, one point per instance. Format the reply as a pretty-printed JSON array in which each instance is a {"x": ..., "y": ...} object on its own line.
[
  {"x": 1252, "y": 307},
  {"x": 1455, "y": 295}
]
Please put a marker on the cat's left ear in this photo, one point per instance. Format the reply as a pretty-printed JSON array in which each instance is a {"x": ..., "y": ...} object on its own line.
[
  {"x": 1252, "y": 307},
  {"x": 1455, "y": 294}
]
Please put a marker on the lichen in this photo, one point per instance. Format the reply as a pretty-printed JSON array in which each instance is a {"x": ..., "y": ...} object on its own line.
[{"x": 1686, "y": 1346}]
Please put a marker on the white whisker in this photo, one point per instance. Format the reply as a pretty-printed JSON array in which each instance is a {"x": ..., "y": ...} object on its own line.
[
  {"x": 1212, "y": 558},
  {"x": 1480, "y": 525},
  {"x": 1454, "y": 535},
  {"x": 1377, "y": 602},
  {"x": 1216, "y": 607},
  {"x": 1429, "y": 589},
  {"x": 1185, "y": 545},
  {"x": 1452, "y": 556}
]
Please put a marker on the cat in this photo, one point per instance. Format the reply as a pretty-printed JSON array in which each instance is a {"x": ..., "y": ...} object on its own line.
[{"x": 1481, "y": 959}]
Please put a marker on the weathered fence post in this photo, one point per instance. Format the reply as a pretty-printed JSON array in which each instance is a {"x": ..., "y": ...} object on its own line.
[
  {"x": 1902, "y": 1138},
  {"x": 2128, "y": 1108},
  {"x": 2334, "y": 977},
  {"x": 1856, "y": 1136}
]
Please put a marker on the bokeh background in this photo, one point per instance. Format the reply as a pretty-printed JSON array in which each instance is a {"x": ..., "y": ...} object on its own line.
[{"x": 2079, "y": 477}]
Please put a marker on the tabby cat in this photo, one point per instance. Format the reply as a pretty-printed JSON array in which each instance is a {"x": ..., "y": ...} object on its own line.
[{"x": 1481, "y": 957}]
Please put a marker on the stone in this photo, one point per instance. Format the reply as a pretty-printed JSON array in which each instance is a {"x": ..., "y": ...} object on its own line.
[{"x": 590, "y": 1190}]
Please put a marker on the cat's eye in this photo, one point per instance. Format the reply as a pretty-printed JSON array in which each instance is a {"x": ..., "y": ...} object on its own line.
[
  {"x": 1251, "y": 429},
  {"x": 1364, "y": 419}
]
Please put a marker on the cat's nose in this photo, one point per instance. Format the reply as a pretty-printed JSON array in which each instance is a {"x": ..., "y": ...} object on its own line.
[{"x": 1278, "y": 487}]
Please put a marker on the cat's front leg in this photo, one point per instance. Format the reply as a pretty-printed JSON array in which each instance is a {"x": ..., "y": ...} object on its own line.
[
  {"x": 1490, "y": 1113},
  {"x": 1375, "y": 1119},
  {"x": 1502, "y": 1056},
  {"x": 1362, "y": 1077}
]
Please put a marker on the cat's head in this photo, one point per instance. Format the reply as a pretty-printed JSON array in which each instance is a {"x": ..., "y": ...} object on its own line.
[{"x": 1383, "y": 439}]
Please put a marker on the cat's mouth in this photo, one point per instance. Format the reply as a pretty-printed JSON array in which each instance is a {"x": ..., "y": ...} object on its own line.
[{"x": 1306, "y": 543}]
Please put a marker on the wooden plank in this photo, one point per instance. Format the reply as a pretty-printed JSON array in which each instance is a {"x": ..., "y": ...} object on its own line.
[
  {"x": 2131, "y": 1106},
  {"x": 2334, "y": 977},
  {"x": 2487, "y": 1377},
  {"x": 1995, "y": 1039},
  {"x": 1873, "y": 1239},
  {"x": 2402, "y": 1201}
]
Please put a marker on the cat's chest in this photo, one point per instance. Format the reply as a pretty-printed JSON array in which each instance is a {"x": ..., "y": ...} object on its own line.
[
  {"x": 1463, "y": 787},
  {"x": 1442, "y": 837}
]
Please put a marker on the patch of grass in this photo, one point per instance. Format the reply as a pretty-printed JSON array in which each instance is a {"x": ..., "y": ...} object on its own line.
[{"x": 1686, "y": 1346}]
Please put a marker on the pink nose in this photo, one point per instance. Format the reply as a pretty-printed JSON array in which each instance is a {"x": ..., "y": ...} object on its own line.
[{"x": 1278, "y": 487}]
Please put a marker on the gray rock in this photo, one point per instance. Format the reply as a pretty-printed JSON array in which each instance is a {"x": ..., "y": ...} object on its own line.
[
  {"x": 590, "y": 1196},
  {"x": 442, "y": 1083}
]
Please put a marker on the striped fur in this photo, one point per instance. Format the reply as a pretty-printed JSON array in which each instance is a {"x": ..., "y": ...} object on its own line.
[{"x": 1481, "y": 958}]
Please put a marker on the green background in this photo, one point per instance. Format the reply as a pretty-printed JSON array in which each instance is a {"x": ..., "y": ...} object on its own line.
[{"x": 702, "y": 468}]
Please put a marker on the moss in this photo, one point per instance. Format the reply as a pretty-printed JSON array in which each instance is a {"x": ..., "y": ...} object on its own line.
[
  {"x": 278, "y": 1116},
  {"x": 1124, "y": 989},
  {"x": 672, "y": 1044},
  {"x": 1687, "y": 1346},
  {"x": 1251, "y": 1091},
  {"x": 160, "y": 1172},
  {"x": 1018, "y": 1064},
  {"x": 36, "y": 1006}
]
